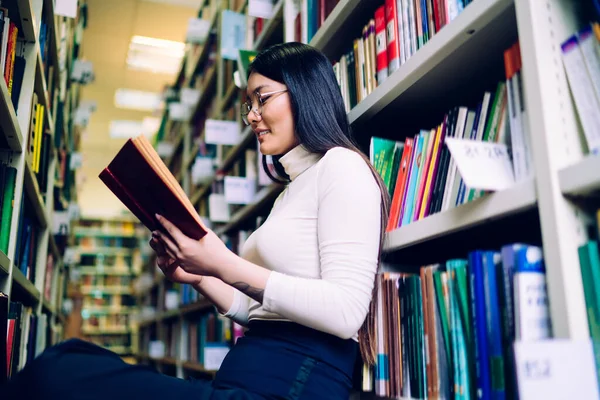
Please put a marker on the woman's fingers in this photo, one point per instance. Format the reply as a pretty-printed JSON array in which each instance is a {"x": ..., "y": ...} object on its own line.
[
  {"x": 175, "y": 233},
  {"x": 171, "y": 248}
]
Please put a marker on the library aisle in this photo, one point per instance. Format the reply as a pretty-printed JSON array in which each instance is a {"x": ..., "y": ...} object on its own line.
[{"x": 482, "y": 118}]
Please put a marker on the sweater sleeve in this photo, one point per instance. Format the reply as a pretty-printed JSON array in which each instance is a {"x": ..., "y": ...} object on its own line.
[
  {"x": 238, "y": 311},
  {"x": 348, "y": 230}
]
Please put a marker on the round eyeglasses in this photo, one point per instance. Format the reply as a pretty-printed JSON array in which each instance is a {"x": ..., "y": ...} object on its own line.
[{"x": 261, "y": 99}]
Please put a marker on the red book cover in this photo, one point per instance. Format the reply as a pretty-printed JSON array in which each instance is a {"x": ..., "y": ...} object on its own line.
[
  {"x": 393, "y": 37},
  {"x": 380, "y": 45},
  {"x": 396, "y": 205}
]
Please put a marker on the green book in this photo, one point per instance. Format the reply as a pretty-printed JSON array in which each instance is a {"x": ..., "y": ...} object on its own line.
[
  {"x": 589, "y": 261},
  {"x": 245, "y": 58},
  {"x": 7, "y": 208}
]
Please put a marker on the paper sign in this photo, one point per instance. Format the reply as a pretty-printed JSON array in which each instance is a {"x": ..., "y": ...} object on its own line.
[
  {"x": 556, "y": 369},
  {"x": 260, "y": 8},
  {"x": 190, "y": 96},
  {"x": 61, "y": 223},
  {"x": 76, "y": 161},
  {"x": 66, "y": 8},
  {"x": 165, "y": 149},
  {"x": 233, "y": 34},
  {"x": 197, "y": 31},
  {"x": 222, "y": 132},
  {"x": 482, "y": 165},
  {"x": 218, "y": 208},
  {"x": 239, "y": 190}
]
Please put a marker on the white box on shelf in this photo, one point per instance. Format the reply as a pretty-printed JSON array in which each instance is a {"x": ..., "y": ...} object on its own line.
[
  {"x": 239, "y": 190},
  {"x": 214, "y": 354},
  {"x": 222, "y": 132},
  {"x": 218, "y": 208}
]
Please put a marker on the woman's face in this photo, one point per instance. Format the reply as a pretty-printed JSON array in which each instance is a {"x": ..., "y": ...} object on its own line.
[{"x": 274, "y": 129}]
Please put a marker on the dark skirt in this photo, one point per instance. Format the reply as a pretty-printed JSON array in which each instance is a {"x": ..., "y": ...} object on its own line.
[{"x": 274, "y": 360}]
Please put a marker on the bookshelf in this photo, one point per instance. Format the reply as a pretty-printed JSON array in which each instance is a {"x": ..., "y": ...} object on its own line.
[
  {"x": 32, "y": 272},
  {"x": 107, "y": 261},
  {"x": 552, "y": 209}
]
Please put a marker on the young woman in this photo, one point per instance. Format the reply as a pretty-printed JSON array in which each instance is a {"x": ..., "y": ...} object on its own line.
[{"x": 304, "y": 281}]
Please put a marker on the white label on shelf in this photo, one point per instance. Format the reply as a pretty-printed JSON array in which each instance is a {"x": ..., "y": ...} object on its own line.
[
  {"x": 239, "y": 190},
  {"x": 260, "y": 8},
  {"x": 165, "y": 149},
  {"x": 66, "y": 8},
  {"x": 218, "y": 208},
  {"x": 482, "y": 165},
  {"x": 197, "y": 31},
  {"x": 74, "y": 211},
  {"x": 556, "y": 369},
  {"x": 214, "y": 354},
  {"x": 202, "y": 170},
  {"x": 76, "y": 161},
  {"x": 60, "y": 223},
  {"x": 190, "y": 96},
  {"x": 222, "y": 132}
]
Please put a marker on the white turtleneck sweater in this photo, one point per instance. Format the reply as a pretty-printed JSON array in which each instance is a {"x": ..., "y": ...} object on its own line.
[{"x": 321, "y": 242}]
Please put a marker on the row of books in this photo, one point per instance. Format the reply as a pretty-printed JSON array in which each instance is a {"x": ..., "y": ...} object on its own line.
[
  {"x": 8, "y": 176},
  {"x": 581, "y": 59},
  {"x": 447, "y": 331},
  {"x": 39, "y": 143},
  {"x": 589, "y": 264},
  {"x": 419, "y": 172},
  {"x": 308, "y": 18},
  {"x": 397, "y": 31},
  {"x": 12, "y": 57},
  {"x": 26, "y": 336}
]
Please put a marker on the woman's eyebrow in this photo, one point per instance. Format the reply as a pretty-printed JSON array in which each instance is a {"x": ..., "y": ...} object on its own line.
[{"x": 258, "y": 88}]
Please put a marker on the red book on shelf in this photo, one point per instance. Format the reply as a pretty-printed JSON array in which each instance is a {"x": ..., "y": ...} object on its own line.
[{"x": 141, "y": 180}]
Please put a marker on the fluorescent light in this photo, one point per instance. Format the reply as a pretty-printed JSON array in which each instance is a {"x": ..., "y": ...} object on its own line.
[
  {"x": 125, "y": 129},
  {"x": 182, "y": 3},
  {"x": 137, "y": 100},
  {"x": 155, "y": 55}
]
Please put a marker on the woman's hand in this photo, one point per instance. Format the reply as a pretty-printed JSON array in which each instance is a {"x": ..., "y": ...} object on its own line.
[
  {"x": 169, "y": 266},
  {"x": 208, "y": 256}
]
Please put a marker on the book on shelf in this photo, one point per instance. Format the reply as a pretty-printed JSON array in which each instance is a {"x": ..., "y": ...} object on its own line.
[
  {"x": 141, "y": 180},
  {"x": 447, "y": 330}
]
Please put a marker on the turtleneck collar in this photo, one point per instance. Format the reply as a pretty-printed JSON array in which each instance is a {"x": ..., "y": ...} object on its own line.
[{"x": 298, "y": 160}]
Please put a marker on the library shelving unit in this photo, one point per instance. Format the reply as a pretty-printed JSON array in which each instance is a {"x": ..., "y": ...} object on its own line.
[
  {"x": 454, "y": 67},
  {"x": 107, "y": 261},
  {"x": 35, "y": 128}
]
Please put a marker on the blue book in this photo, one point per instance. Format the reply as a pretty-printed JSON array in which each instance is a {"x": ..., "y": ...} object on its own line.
[
  {"x": 412, "y": 188},
  {"x": 494, "y": 328},
  {"x": 480, "y": 336}
]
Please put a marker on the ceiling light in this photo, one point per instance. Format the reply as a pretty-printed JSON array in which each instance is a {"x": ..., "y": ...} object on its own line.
[
  {"x": 137, "y": 100},
  {"x": 125, "y": 129},
  {"x": 155, "y": 55}
]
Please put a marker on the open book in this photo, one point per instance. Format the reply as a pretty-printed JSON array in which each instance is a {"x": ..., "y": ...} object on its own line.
[{"x": 141, "y": 180}]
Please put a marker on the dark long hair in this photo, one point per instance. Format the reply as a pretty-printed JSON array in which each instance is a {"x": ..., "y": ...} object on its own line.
[{"x": 321, "y": 123}]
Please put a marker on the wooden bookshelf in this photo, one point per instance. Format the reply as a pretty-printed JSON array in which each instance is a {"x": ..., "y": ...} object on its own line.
[
  {"x": 481, "y": 27},
  {"x": 581, "y": 178},
  {"x": 435, "y": 78},
  {"x": 34, "y": 195},
  {"x": 4, "y": 264},
  {"x": 32, "y": 294},
  {"x": 27, "y": 18},
  {"x": 519, "y": 198},
  {"x": 270, "y": 26},
  {"x": 9, "y": 125}
]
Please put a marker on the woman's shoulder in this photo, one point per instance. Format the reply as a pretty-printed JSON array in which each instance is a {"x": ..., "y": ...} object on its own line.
[
  {"x": 342, "y": 157},
  {"x": 341, "y": 162}
]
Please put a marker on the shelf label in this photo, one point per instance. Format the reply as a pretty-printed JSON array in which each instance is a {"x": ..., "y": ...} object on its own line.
[
  {"x": 66, "y": 8},
  {"x": 260, "y": 8},
  {"x": 222, "y": 132},
  {"x": 198, "y": 30},
  {"x": 239, "y": 190},
  {"x": 482, "y": 165},
  {"x": 556, "y": 369}
]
